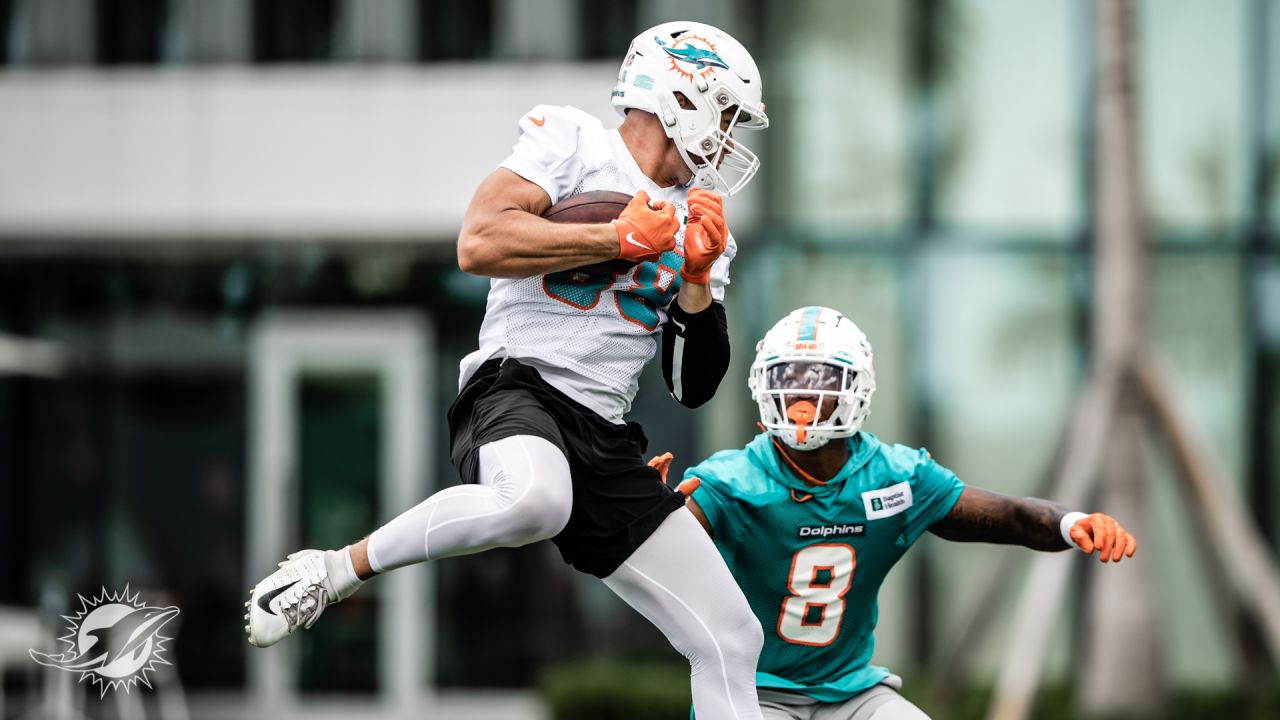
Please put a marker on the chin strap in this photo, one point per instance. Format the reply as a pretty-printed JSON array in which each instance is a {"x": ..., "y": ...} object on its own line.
[
  {"x": 792, "y": 464},
  {"x": 796, "y": 496}
]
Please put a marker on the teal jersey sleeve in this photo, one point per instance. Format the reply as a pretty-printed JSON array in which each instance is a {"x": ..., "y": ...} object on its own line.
[
  {"x": 935, "y": 490},
  {"x": 730, "y": 488}
]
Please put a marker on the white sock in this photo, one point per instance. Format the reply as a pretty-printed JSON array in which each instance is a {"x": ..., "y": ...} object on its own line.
[{"x": 343, "y": 580}]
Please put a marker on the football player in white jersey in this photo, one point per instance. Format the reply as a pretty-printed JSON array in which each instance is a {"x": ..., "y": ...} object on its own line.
[{"x": 573, "y": 314}]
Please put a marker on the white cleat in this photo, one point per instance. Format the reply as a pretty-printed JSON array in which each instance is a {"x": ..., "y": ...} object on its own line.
[{"x": 289, "y": 598}]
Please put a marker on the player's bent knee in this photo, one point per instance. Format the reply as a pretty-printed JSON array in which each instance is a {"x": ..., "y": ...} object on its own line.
[
  {"x": 550, "y": 498},
  {"x": 531, "y": 479},
  {"x": 742, "y": 644},
  {"x": 734, "y": 642},
  {"x": 542, "y": 512}
]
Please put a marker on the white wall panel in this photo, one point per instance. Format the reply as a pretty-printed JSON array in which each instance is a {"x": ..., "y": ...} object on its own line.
[{"x": 344, "y": 153}]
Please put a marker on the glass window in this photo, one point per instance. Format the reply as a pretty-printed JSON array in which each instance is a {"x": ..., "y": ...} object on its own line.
[
  {"x": 1196, "y": 320},
  {"x": 14, "y": 441},
  {"x": 53, "y": 32},
  {"x": 131, "y": 32},
  {"x": 339, "y": 419},
  {"x": 7, "y": 9},
  {"x": 455, "y": 29},
  {"x": 1192, "y": 110},
  {"x": 205, "y": 32},
  {"x": 1001, "y": 368},
  {"x": 605, "y": 29},
  {"x": 381, "y": 31},
  {"x": 490, "y": 636},
  {"x": 293, "y": 30},
  {"x": 1269, "y": 307},
  {"x": 842, "y": 136},
  {"x": 188, "y": 458},
  {"x": 1271, "y": 67},
  {"x": 1007, "y": 135},
  {"x": 1270, "y": 345},
  {"x": 1001, "y": 364}
]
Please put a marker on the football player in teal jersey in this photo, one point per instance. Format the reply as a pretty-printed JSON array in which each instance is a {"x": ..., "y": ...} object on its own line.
[{"x": 811, "y": 515}]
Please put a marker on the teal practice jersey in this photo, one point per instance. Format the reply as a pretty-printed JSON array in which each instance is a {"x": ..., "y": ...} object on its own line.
[{"x": 811, "y": 559}]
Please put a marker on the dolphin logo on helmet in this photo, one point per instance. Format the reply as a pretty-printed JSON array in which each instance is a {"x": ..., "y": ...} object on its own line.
[{"x": 692, "y": 54}]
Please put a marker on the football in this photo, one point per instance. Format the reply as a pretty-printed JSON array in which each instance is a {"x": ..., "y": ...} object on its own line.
[{"x": 597, "y": 206}]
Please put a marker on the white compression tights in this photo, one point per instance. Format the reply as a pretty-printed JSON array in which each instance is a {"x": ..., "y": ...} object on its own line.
[
  {"x": 676, "y": 579},
  {"x": 523, "y": 495}
]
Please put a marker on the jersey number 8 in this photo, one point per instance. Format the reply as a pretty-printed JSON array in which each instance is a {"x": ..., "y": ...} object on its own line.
[{"x": 820, "y": 576}]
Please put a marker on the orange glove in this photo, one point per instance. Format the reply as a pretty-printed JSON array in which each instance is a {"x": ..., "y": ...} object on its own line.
[
  {"x": 704, "y": 235},
  {"x": 708, "y": 206},
  {"x": 700, "y": 252},
  {"x": 1102, "y": 533},
  {"x": 645, "y": 232},
  {"x": 662, "y": 463}
]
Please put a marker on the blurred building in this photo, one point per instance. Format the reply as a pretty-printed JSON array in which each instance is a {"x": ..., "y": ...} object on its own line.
[{"x": 230, "y": 312}]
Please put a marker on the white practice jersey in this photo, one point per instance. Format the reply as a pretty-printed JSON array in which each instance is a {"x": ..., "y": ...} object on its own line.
[{"x": 588, "y": 331}]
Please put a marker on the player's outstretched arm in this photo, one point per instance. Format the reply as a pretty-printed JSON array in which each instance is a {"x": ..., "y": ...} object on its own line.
[
  {"x": 983, "y": 516},
  {"x": 504, "y": 234}
]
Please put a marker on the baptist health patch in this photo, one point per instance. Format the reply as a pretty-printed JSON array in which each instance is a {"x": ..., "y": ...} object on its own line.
[{"x": 887, "y": 501}]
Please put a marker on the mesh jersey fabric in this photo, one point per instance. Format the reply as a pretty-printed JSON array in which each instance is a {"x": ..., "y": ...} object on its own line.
[
  {"x": 811, "y": 559},
  {"x": 589, "y": 331}
]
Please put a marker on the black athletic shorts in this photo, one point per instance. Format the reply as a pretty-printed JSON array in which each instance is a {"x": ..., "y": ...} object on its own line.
[{"x": 618, "y": 500}]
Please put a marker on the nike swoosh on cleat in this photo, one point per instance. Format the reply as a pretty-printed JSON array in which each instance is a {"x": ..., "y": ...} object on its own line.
[
  {"x": 538, "y": 121},
  {"x": 631, "y": 239},
  {"x": 264, "y": 600}
]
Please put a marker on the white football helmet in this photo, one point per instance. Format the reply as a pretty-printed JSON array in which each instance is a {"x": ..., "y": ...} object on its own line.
[
  {"x": 812, "y": 354},
  {"x": 714, "y": 72}
]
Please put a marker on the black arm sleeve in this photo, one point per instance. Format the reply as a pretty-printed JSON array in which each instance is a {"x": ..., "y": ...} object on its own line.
[{"x": 695, "y": 353}]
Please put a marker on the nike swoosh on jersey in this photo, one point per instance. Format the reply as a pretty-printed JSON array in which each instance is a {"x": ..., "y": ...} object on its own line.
[
  {"x": 538, "y": 121},
  {"x": 679, "y": 325},
  {"x": 264, "y": 600},
  {"x": 637, "y": 243}
]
